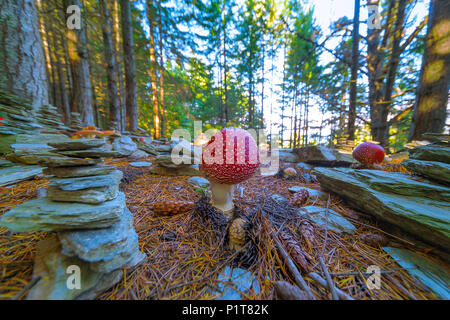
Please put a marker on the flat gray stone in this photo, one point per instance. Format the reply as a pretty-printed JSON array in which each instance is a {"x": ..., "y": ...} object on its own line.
[
  {"x": 312, "y": 193},
  {"x": 303, "y": 166},
  {"x": 163, "y": 148},
  {"x": 82, "y": 171},
  {"x": 421, "y": 209},
  {"x": 138, "y": 154},
  {"x": 174, "y": 161},
  {"x": 279, "y": 199},
  {"x": 432, "y": 275},
  {"x": 147, "y": 147},
  {"x": 192, "y": 170},
  {"x": 77, "y": 144},
  {"x": 286, "y": 156},
  {"x": 14, "y": 174},
  {"x": 320, "y": 153},
  {"x": 51, "y": 265},
  {"x": 236, "y": 278},
  {"x": 91, "y": 153},
  {"x": 108, "y": 249},
  {"x": 438, "y": 171},
  {"x": 42, "y": 138},
  {"x": 62, "y": 161},
  {"x": 431, "y": 152},
  {"x": 91, "y": 195},
  {"x": 198, "y": 181},
  {"x": 124, "y": 145},
  {"x": 120, "y": 259},
  {"x": 332, "y": 219},
  {"x": 31, "y": 149},
  {"x": 29, "y": 153},
  {"x": 6, "y": 163},
  {"x": 73, "y": 184},
  {"x": 43, "y": 214},
  {"x": 140, "y": 164}
]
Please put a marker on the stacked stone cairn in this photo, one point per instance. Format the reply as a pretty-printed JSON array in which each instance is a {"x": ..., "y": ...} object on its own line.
[
  {"x": 344, "y": 144},
  {"x": 75, "y": 121},
  {"x": 171, "y": 160},
  {"x": 431, "y": 161},
  {"x": 49, "y": 117},
  {"x": 18, "y": 115},
  {"x": 92, "y": 229}
]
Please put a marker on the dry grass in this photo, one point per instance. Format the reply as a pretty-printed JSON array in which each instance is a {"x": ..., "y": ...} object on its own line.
[{"x": 184, "y": 257}]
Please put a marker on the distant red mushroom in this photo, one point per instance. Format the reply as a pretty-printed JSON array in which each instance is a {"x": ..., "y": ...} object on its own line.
[
  {"x": 141, "y": 139},
  {"x": 230, "y": 157},
  {"x": 0, "y": 122},
  {"x": 368, "y": 153}
]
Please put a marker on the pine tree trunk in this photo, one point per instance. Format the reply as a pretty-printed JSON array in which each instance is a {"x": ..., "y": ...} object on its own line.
[
  {"x": 111, "y": 70},
  {"x": 118, "y": 61},
  {"x": 45, "y": 44},
  {"x": 430, "y": 110},
  {"x": 388, "y": 88},
  {"x": 129, "y": 66},
  {"x": 54, "y": 97},
  {"x": 81, "y": 81},
  {"x": 63, "y": 98},
  {"x": 373, "y": 64},
  {"x": 22, "y": 62},
  {"x": 354, "y": 72},
  {"x": 156, "y": 119},
  {"x": 161, "y": 73}
]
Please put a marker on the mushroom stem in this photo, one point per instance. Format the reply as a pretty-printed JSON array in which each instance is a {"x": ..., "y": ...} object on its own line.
[{"x": 222, "y": 197}]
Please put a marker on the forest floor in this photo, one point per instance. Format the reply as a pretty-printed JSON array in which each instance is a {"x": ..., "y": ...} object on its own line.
[{"x": 184, "y": 260}]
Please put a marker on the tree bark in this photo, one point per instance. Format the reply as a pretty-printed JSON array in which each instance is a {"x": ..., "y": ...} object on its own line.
[
  {"x": 129, "y": 66},
  {"x": 81, "y": 81},
  {"x": 45, "y": 44},
  {"x": 161, "y": 73},
  {"x": 373, "y": 64},
  {"x": 354, "y": 73},
  {"x": 156, "y": 119},
  {"x": 388, "y": 88},
  {"x": 54, "y": 96},
  {"x": 63, "y": 98},
  {"x": 119, "y": 64},
  {"x": 111, "y": 70},
  {"x": 430, "y": 110},
  {"x": 22, "y": 62}
]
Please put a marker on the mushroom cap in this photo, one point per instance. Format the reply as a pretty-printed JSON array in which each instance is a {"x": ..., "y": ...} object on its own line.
[
  {"x": 232, "y": 164},
  {"x": 368, "y": 153}
]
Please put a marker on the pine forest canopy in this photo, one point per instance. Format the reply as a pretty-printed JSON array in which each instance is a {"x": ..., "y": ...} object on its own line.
[{"x": 313, "y": 72}]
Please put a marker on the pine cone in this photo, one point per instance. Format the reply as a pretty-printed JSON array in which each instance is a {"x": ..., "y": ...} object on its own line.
[
  {"x": 237, "y": 232},
  {"x": 300, "y": 198},
  {"x": 171, "y": 207},
  {"x": 287, "y": 291},
  {"x": 295, "y": 251},
  {"x": 374, "y": 240},
  {"x": 307, "y": 231}
]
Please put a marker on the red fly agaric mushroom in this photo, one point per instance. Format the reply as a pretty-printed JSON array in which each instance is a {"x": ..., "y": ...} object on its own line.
[
  {"x": 230, "y": 157},
  {"x": 368, "y": 153}
]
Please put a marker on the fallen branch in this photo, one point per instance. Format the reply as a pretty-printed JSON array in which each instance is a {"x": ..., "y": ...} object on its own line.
[
  {"x": 30, "y": 285},
  {"x": 334, "y": 294},
  {"x": 287, "y": 291},
  {"x": 293, "y": 269},
  {"x": 321, "y": 281}
]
